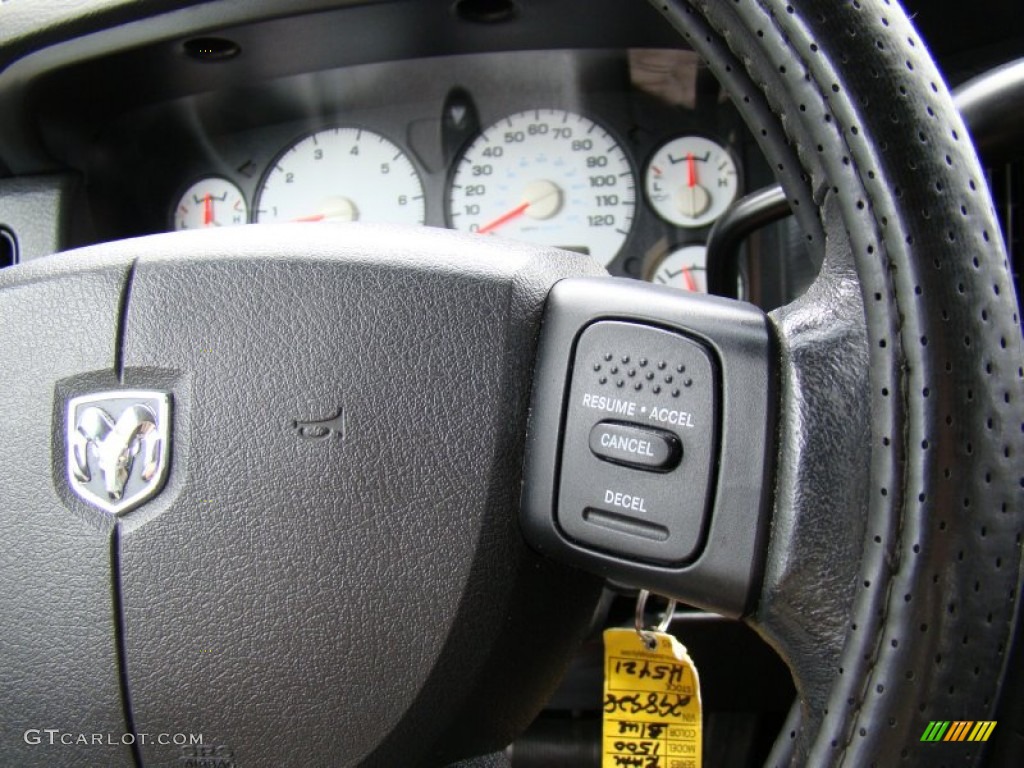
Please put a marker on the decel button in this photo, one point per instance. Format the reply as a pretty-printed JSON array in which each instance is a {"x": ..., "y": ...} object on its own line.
[{"x": 633, "y": 446}]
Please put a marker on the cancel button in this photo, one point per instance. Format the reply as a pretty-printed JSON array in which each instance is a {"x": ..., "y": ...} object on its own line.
[{"x": 639, "y": 447}]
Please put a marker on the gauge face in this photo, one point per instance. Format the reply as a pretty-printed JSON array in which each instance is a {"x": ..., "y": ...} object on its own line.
[
  {"x": 342, "y": 174},
  {"x": 549, "y": 177},
  {"x": 210, "y": 202},
  {"x": 690, "y": 181},
  {"x": 686, "y": 268}
]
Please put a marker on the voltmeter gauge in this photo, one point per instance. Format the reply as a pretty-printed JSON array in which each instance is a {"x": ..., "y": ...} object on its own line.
[
  {"x": 686, "y": 268},
  {"x": 690, "y": 181},
  {"x": 210, "y": 202}
]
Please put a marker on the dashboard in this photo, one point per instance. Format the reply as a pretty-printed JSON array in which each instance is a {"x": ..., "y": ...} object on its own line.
[
  {"x": 615, "y": 140},
  {"x": 628, "y": 155},
  {"x": 625, "y": 155},
  {"x": 189, "y": 119}
]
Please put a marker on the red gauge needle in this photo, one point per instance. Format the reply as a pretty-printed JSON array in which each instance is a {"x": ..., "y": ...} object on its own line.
[
  {"x": 314, "y": 217},
  {"x": 504, "y": 219},
  {"x": 207, "y": 210},
  {"x": 691, "y": 284},
  {"x": 691, "y": 170}
]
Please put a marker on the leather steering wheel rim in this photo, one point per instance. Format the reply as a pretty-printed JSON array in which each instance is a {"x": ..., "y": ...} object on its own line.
[{"x": 891, "y": 588}]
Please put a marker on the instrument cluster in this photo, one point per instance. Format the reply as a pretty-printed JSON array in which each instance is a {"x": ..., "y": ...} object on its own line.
[{"x": 631, "y": 179}]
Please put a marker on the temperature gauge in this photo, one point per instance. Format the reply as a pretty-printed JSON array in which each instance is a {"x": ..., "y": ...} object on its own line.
[
  {"x": 210, "y": 202},
  {"x": 690, "y": 181}
]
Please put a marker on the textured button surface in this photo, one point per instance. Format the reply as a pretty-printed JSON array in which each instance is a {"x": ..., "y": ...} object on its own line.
[{"x": 644, "y": 421}]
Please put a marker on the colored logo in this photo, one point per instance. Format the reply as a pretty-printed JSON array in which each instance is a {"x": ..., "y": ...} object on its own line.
[{"x": 958, "y": 730}]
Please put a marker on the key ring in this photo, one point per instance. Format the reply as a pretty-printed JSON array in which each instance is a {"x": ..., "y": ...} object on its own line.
[{"x": 648, "y": 635}]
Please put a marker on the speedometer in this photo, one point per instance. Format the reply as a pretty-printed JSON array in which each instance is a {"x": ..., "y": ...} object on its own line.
[
  {"x": 342, "y": 174},
  {"x": 546, "y": 176}
]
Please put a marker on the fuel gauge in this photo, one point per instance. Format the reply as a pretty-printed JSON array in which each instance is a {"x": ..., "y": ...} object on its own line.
[{"x": 210, "y": 202}]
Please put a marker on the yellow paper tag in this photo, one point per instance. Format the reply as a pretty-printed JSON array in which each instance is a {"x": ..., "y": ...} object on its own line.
[{"x": 652, "y": 716}]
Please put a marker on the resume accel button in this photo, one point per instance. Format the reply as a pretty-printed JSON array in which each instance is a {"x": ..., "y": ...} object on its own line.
[{"x": 637, "y": 447}]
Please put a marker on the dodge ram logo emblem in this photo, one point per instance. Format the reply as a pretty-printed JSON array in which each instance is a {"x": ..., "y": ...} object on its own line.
[{"x": 118, "y": 444}]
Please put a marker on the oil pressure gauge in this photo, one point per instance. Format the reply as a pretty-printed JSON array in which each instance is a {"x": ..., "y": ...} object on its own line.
[{"x": 690, "y": 181}]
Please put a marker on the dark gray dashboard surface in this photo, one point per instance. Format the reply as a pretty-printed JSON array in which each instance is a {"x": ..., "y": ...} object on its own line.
[{"x": 150, "y": 120}]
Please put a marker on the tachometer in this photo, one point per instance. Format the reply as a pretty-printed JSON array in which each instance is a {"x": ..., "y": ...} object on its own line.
[
  {"x": 546, "y": 176},
  {"x": 342, "y": 174}
]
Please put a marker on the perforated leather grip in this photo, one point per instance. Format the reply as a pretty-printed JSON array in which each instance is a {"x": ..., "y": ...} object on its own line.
[{"x": 918, "y": 536}]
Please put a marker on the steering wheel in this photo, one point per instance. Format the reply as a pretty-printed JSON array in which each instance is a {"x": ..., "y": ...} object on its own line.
[{"x": 265, "y": 484}]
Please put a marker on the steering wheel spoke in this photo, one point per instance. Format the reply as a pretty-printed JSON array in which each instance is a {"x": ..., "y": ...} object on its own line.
[{"x": 650, "y": 440}]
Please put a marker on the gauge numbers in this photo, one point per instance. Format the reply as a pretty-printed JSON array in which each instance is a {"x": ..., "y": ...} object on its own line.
[
  {"x": 550, "y": 177},
  {"x": 342, "y": 174},
  {"x": 690, "y": 181},
  {"x": 210, "y": 202}
]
